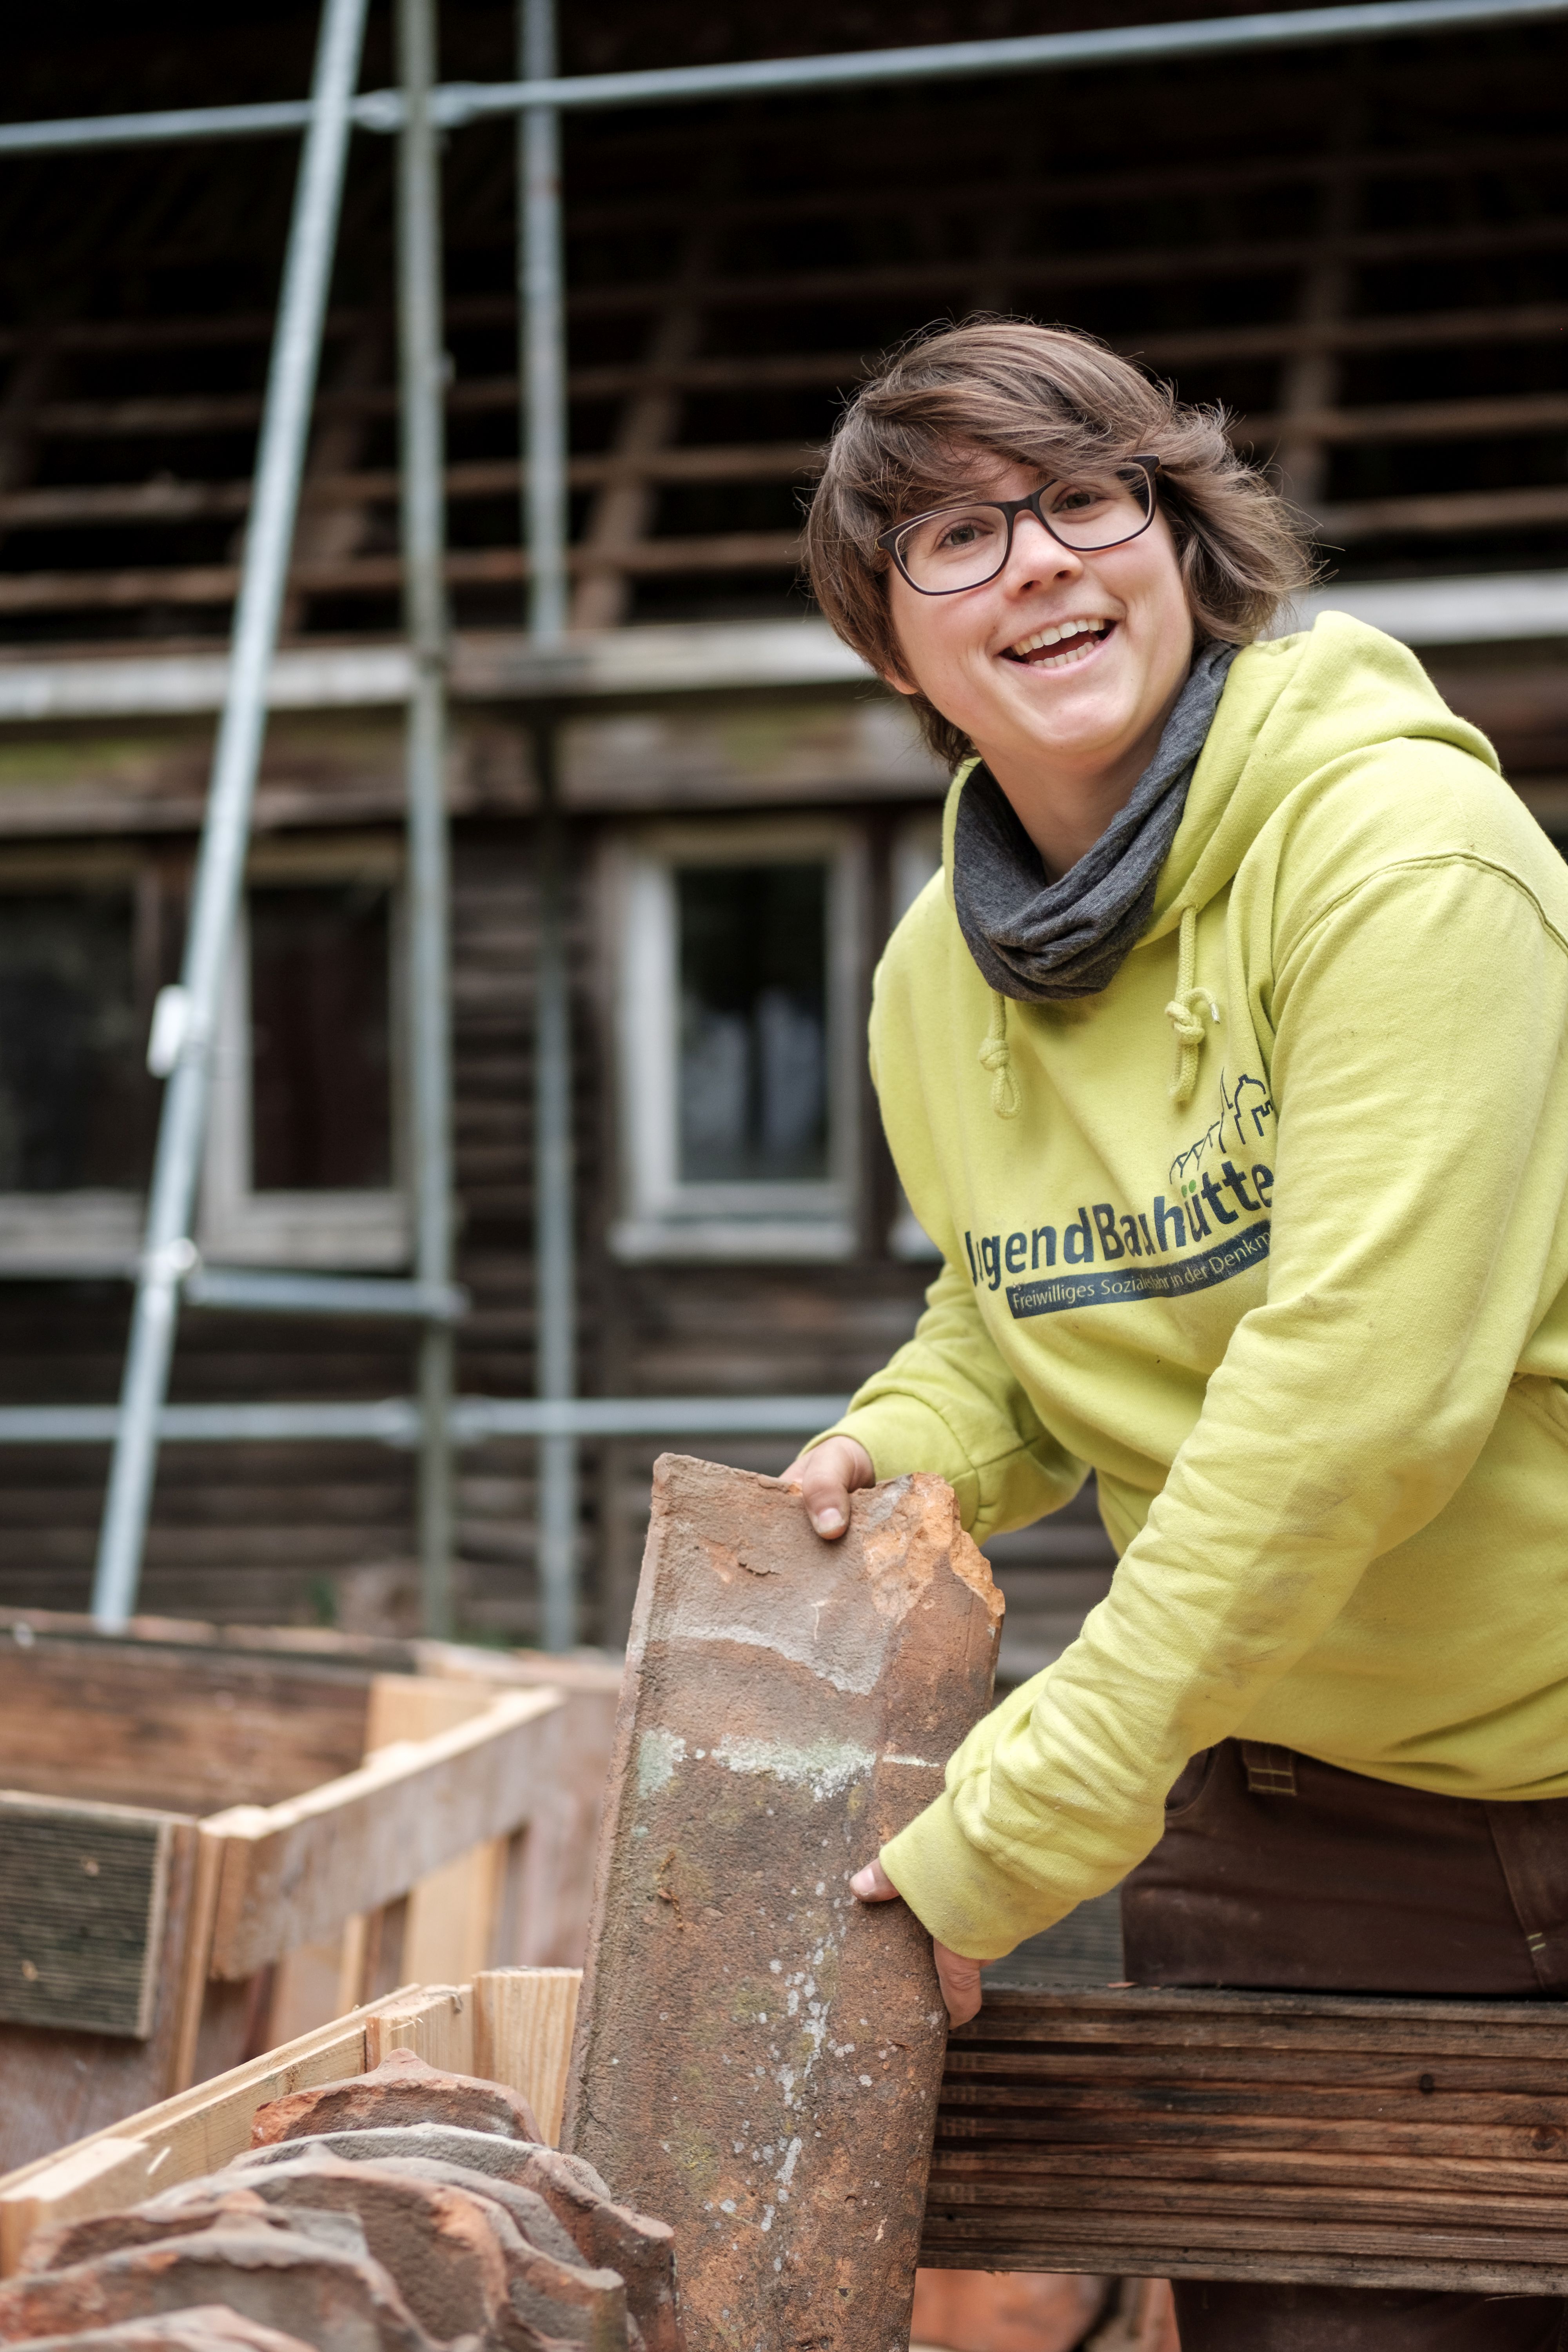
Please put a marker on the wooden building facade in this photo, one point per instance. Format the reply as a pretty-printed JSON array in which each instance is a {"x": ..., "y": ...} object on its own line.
[{"x": 1361, "y": 251}]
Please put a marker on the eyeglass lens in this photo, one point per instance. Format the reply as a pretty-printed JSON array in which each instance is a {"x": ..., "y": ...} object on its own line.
[{"x": 961, "y": 546}]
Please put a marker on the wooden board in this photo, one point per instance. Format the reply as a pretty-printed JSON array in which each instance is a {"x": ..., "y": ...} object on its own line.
[
  {"x": 83, "y": 1893},
  {"x": 524, "y": 2021},
  {"x": 174, "y": 1730},
  {"x": 1272, "y": 2136},
  {"x": 290, "y": 1872}
]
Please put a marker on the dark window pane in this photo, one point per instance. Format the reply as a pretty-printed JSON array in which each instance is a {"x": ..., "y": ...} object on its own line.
[
  {"x": 76, "y": 1103},
  {"x": 321, "y": 1039},
  {"x": 753, "y": 1023}
]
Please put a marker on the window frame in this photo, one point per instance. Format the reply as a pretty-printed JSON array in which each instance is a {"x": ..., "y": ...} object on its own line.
[
  {"x": 365, "y": 1231},
  {"x": 662, "y": 1216}
]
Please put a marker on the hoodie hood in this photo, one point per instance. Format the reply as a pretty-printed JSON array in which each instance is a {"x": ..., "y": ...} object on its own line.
[
  {"x": 1292, "y": 711},
  {"x": 1292, "y": 708}
]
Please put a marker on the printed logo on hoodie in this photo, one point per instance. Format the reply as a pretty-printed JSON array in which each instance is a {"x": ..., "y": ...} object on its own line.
[{"x": 1128, "y": 1255}]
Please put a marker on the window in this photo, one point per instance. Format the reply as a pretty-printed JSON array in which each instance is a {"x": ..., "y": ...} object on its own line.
[
  {"x": 739, "y": 1031},
  {"x": 303, "y": 1149},
  {"x": 78, "y": 1109},
  {"x": 302, "y": 1156}
]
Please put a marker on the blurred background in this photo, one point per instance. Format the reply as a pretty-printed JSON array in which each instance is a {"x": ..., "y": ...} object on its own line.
[{"x": 1362, "y": 250}]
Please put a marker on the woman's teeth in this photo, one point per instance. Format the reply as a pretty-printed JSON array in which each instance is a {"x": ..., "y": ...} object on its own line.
[{"x": 1079, "y": 636}]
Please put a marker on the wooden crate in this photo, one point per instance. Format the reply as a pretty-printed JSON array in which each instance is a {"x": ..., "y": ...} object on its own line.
[
  {"x": 1313, "y": 2137},
  {"x": 210, "y": 1844},
  {"x": 512, "y": 2026}
]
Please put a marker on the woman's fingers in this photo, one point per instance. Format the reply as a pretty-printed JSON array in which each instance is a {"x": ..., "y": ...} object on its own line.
[
  {"x": 959, "y": 1982},
  {"x": 872, "y": 1885},
  {"x": 959, "y": 1978},
  {"x": 827, "y": 1477}
]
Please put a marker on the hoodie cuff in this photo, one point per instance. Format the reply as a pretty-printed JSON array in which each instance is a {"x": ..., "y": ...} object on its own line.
[
  {"x": 963, "y": 1900},
  {"x": 902, "y": 1435}
]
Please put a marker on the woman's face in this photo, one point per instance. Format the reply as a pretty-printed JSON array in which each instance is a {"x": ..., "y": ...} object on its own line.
[{"x": 1089, "y": 704}]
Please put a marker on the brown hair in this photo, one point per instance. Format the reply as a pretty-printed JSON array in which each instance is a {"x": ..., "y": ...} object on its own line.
[{"x": 1055, "y": 398}]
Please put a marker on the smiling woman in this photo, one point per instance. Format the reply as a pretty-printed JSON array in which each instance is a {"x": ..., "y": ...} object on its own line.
[{"x": 1248, "y": 1201}]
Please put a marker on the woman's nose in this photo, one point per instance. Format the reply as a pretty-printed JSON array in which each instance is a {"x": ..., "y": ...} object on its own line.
[{"x": 1036, "y": 556}]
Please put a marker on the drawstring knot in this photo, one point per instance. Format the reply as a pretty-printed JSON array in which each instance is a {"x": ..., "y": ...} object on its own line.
[
  {"x": 996, "y": 1055},
  {"x": 1185, "y": 1011}
]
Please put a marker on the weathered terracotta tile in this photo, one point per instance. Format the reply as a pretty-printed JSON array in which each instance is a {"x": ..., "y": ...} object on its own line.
[
  {"x": 758, "y": 2054},
  {"x": 403, "y": 2090},
  {"x": 295, "y": 2283}
]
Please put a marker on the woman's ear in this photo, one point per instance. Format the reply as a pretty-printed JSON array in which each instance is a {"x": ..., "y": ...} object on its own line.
[{"x": 898, "y": 681}]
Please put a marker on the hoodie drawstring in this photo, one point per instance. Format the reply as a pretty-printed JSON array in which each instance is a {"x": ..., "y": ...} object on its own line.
[
  {"x": 1185, "y": 1011},
  {"x": 996, "y": 1055}
]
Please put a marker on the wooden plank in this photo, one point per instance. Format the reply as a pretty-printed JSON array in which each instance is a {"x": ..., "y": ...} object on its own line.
[
  {"x": 179, "y": 1733},
  {"x": 1190, "y": 2133},
  {"x": 83, "y": 1896},
  {"x": 292, "y": 1872},
  {"x": 96, "y": 2178},
  {"x": 524, "y": 2022}
]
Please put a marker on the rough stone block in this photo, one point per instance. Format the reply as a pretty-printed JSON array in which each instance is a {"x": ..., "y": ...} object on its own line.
[
  {"x": 177, "y": 2213},
  {"x": 506, "y": 2159},
  {"x": 209, "y": 2328},
  {"x": 640, "y": 2248},
  {"x": 758, "y": 2055},
  {"x": 333, "y": 2299},
  {"x": 401, "y": 2090},
  {"x": 436, "y": 2241}
]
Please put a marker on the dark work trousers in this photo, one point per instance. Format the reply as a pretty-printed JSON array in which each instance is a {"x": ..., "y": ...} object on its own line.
[{"x": 1279, "y": 1874}]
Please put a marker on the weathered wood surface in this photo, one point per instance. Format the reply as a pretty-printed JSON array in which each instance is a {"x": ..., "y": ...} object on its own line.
[
  {"x": 56, "y": 2085},
  {"x": 1229, "y": 2135},
  {"x": 83, "y": 1893},
  {"x": 182, "y": 1733},
  {"x": 523, "y": 2021},
  {"x": 758, "y": 2054}
]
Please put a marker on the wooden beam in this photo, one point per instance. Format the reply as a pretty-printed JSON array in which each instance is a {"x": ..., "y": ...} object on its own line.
[
  {"x": 1290, "y": 2137},
  {"x": 1098, "y": 265},
  {"x": 1445, "y": 510},
  {"x": 168, "y": 501},
  {"x": 291, "y": 1872},
  {"x": 1509, "y": 413}
]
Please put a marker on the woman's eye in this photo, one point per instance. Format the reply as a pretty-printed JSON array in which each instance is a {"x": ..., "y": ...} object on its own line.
[
  {"x": 960, "y": 534},
  {"x": 1077, "y": 499}
]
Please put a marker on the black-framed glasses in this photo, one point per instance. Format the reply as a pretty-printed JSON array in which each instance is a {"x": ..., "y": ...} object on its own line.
[{"x": 964, "y": 545}]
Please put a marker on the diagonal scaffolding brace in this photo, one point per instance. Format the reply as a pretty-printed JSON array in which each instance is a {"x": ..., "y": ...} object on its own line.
[{"x": 169, "y": 1253}]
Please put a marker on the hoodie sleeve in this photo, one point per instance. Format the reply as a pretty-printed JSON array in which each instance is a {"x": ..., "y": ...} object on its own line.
[
  {"x": 946, "y": 1402},
  {"x": 1422, "y": 1100}
]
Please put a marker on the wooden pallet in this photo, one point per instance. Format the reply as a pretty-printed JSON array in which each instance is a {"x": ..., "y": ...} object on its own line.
[
  {"x": 154, "y": 1931},
  {"x": 1312, "y": 2137}
]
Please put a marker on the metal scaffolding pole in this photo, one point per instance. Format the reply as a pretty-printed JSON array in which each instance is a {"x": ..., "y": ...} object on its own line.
[
  {"x": 460, "y": 103},
  {"x": 423, "y": 517},
  {"x": 554, "y": 1282},
  {"x": 542, "y": 324},
  {"x": 542, "y": 372},
  {"x": 168, "y": 1252}
]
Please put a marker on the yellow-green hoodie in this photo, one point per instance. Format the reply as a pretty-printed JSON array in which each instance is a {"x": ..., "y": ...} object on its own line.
[{"x": 1295, "y": 1295}]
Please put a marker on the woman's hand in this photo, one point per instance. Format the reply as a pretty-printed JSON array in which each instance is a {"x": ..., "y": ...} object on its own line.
[
  {"x": 827, "y": 1477},
  {"x": 959, "y": 1978}
]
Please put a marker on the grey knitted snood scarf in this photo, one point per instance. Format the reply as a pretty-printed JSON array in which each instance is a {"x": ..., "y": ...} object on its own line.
[{"x": 1041, "y": 941}]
